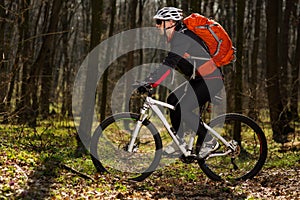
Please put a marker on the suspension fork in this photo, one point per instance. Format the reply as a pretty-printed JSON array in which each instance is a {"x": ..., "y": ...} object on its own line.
[{"x": 134, "y": 135}]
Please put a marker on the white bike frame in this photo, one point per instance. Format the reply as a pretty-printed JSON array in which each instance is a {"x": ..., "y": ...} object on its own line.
[{"x": 153, "y": 104}]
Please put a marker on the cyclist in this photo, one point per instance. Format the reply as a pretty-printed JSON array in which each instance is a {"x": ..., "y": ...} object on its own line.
[{"x": 169, "y": 22}]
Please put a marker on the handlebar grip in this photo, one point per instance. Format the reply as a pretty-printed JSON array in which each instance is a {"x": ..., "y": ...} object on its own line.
[{"x": 142, "y": 87}]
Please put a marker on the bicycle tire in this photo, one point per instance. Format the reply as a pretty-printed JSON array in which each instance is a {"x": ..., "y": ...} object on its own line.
[
  {"x": 109, "y": 143},
  {"x": 253, "y": 149}
]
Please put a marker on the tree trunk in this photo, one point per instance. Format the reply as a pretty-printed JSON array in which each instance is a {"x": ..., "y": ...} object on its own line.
[
  {"x": 295, "y": 76},
  {"x": 24, "y": 104},
  {"x": 229, "y": 72},
  {"x": 3, "y": 79},
  {"x": 195, "y": 6},
  {"x": 238, "y": 83},
  {"x": 105, "y": 75},
  {"x": 130, "y": 56},
  {"x": 172, "y": 3},
  {"x": 45, "y": 59},
  {"x": 185, "y": 6},
  {"x": 88, "y": 102},
  {"x": 67, "y": 70},
  {"x": 253, "y": 113},
  {"x": 284, "y": 53},
  {"x": 7, "y": 71},
  {"x": 278, "y": 122}
]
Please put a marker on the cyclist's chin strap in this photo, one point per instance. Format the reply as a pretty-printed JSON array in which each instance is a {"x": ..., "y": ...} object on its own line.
[
  {"x": 170, "y": 26},
  {"x": 165, "y": 30}
]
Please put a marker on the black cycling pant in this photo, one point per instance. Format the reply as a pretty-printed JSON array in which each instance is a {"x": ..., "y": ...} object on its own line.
[{"x": 190, "y": 97}]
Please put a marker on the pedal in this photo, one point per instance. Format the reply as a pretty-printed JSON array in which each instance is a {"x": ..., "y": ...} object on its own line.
[{"x": 188, "y": 159}]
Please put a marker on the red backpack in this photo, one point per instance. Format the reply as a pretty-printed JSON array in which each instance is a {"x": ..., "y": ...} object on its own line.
[{"x": 214, "y": 36}]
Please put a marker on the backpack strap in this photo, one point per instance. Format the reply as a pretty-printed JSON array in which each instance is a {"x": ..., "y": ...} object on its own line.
[
  {"x": 208, "y": 27},
  {"x": 180, "y": 27},
  {"x": 182, "y": 30},
  {"x": 194, "y": 58}
]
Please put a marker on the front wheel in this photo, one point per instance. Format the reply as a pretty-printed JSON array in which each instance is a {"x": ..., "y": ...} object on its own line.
[
  {"x": 251, "y": 152},
  {"x": 110, "y": 142}
]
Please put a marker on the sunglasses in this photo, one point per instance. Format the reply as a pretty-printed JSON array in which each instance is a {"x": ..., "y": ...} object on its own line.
[{"x": 159, "y": 21}]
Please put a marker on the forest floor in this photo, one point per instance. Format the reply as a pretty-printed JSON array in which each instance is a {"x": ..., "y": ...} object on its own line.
[{"x": 41, "y": 164}]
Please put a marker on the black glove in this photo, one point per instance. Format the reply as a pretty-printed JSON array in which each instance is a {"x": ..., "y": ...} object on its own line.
[{"x": 142, "y": 87}]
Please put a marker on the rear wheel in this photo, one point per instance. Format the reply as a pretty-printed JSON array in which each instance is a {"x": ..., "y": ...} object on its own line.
[
  {"x": 110, "y": 142},
  {"x": 251, "y": 152}
]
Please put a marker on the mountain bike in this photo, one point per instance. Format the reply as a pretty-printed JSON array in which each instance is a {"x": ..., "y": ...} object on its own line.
[{"x": 129, "y": 146}]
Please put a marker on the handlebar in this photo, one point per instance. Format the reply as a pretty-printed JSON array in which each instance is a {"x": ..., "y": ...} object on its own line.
[{"x": 143, "y": 88}]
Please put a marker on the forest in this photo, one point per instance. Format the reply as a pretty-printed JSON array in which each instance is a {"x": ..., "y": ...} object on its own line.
[{"x": 44, "y": 43}]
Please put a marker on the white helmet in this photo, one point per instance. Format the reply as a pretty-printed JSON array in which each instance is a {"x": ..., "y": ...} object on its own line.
[{"x": 168, "y": 13}]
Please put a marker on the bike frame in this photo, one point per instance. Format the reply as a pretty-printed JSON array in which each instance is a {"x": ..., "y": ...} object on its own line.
[{"x": 153, "y": 104}]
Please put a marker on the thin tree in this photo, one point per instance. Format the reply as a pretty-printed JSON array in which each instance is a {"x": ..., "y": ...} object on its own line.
[
  {"x": 130, "y": 56},
  {"x": 284, "y": 52},
  {"x": 173, "y": 3},
  {"x": 88, "y": 102},
  {"x": 254, "y": 62},
  {"x": 103, "y": 99},
  {"x": 3, "y": 80},
  {"x": 295, "y": 70},
  {"x": 195, "y": 6},
  {"x": 238, "y": 81},
  {"x": 24, "y": 104},
  {"x": 238, "y": 78},
  {"x": 66, "y": 52}
]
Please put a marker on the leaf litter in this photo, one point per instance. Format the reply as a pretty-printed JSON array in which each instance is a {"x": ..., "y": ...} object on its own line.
[{"x": 19, "y": 181}]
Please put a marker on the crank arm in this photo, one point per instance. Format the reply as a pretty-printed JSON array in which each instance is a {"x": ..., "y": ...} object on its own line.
[{"x": 218, "y": 154}]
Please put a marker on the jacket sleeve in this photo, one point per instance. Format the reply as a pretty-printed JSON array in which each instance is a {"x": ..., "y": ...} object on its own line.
[
  {"x": 156, "y": 77},
  {"x": 178, "y": 49}
]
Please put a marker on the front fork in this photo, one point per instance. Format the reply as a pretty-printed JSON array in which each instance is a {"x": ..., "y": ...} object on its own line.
[{"x": 138, "y": 126}]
